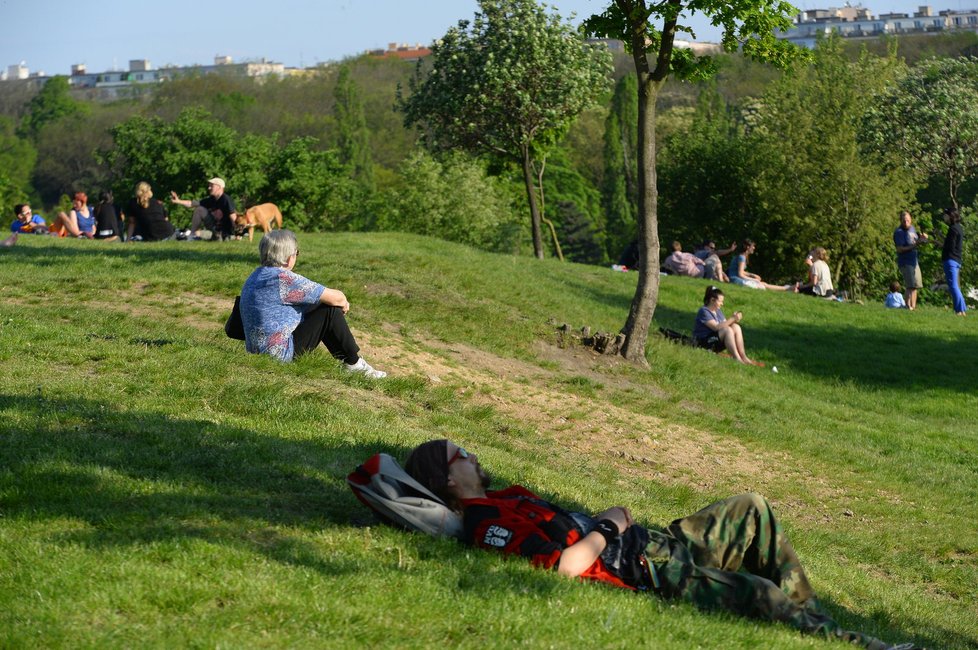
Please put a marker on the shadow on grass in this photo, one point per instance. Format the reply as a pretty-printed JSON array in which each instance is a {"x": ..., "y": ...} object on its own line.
[
  {"x": 869, "y": 357},
  {"x": 84, "y": 460},
  {"x": 54, "y": 253}
]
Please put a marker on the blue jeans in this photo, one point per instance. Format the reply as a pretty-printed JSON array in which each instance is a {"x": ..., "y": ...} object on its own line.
[{"x": 951, "y": 271}]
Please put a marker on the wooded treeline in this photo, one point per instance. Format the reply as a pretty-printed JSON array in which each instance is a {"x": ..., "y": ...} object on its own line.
[{"x": 791, "y": 160}]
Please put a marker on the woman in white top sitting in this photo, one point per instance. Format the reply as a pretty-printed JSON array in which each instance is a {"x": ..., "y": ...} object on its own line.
[{"x": 819, "y": 276}]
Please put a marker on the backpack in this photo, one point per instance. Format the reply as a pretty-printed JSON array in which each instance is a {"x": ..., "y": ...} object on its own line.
[
  {"x": 384, "y": 487},
  {"x": 676, "y": 337}
]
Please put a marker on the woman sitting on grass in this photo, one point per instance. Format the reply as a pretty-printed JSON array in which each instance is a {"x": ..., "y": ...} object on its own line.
[
  {"x": 285, "y": 314},
  {"x": 819, "y": 276},
  {"x": 714, "y": 331},
  {"x": 78, "y": 222},
  {"x": 740, "y": 275}
]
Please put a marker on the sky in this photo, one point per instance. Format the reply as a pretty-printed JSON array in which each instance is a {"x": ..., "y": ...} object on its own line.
[{"x": 51, "y": 35}]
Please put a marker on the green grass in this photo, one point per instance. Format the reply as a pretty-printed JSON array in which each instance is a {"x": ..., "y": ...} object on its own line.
[{"x": 159, "y": 487}]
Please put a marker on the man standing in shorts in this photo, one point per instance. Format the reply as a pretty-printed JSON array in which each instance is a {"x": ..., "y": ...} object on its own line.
[{"x": 906, "y": 239}]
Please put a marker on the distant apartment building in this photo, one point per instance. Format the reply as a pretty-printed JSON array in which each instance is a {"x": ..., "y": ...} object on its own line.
[
  {"x": 856, "y": 21},
  {"x": 141, "y": 76},
  {"x": 402, "y": 51}
]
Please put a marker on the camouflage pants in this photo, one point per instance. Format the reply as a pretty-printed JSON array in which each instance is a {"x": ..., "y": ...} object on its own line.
[{"x": 733, "y": 556}]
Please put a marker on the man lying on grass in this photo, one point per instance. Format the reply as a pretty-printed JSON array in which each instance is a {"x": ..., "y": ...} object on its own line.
[{"x": 731, "y": 555}]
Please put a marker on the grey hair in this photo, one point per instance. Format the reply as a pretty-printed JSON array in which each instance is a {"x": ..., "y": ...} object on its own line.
[{"x": 276, "y": 247}]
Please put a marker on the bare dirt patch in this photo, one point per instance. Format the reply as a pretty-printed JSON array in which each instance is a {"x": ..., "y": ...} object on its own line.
[{"x": 639, "y": 445}]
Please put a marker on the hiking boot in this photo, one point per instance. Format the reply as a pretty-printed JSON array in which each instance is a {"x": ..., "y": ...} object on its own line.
[{"x": 364, "y": 369}]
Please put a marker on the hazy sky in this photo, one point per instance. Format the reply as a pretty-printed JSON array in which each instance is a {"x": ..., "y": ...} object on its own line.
[{"x": 51, "y": 35}]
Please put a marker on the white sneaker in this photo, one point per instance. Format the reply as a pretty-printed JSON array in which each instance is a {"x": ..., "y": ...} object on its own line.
[{"x": 364, "y": 368}]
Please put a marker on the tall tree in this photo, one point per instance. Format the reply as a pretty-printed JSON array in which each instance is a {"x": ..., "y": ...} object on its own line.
[
  {"x": 649, "y": 32},
  {"x": 619, "y": 187},
  {"x": 51, "y": 104},
  {"x": 928, "y": 122},
  {"x": 352, "y": 137},
  {"x": 815, "y": 186},
  {"x": 706, "y": 176},
  {"x": 17, "y": 159},
  {"x": 508, "y": 84}
]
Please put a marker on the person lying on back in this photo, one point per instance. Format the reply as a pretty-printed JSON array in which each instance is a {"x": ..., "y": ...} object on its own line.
[{"x": 732, "y": 555}]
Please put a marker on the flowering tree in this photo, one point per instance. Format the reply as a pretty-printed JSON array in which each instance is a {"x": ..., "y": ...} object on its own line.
[{"x": 508, "y": 85}]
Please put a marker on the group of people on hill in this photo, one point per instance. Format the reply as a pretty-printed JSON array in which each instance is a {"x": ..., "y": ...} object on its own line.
[
  {"x": 705, "y": 263},
  {"x": 712, "y": 330},
  {"x": 907, "y": 241},
  {"x": 144, "y": 218}
]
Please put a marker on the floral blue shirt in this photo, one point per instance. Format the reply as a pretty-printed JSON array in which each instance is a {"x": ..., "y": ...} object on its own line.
[{"x": 273, "y": 302}]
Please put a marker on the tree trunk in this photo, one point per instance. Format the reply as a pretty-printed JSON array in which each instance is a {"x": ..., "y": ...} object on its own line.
[
  {"x": 636, "y": 329},
  {"x": 531, "y": 197}
]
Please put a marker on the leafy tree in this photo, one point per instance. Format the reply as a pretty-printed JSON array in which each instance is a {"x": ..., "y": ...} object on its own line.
[
  {"x": 749, "y": 25},
  {"x": 51, "y": 104},
  {"x": 569, "y": 196},
  {"x": 619, "y": 189},
  {"x": 507, "y": 85},
  {"x": 706, "y": 176},
  {"x": 815, "y": 186},
  {"x": 17, "y": 159},
  {"x": 353, "y": 139},
  {"x": 312, "y": 186},
  {"x": 452, "y": 197},
  {"x": 307, "y": 184},
  {"x": 66, "y": 151},
  {"x": 928, "y": 122}
]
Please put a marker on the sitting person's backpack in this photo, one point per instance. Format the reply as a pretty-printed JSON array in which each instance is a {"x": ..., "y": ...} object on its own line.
[
  {"x": 676, "y": 337},
  {"x": 384, "y": 487},
  {"x": 234, "y": 327}
]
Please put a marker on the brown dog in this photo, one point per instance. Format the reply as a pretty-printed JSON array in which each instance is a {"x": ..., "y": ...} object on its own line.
[{"x": 265, "y": 215}]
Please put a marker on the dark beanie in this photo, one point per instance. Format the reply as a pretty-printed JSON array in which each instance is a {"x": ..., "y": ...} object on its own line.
[{"x": 428, "y": 465}]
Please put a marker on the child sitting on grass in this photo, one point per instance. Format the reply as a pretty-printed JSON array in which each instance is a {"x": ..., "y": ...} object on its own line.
[{"x": 894, "y": 299}]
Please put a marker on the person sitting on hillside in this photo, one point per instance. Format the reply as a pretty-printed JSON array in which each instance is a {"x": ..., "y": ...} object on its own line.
[
  {"x": 77, "y": 222},
  {"x": 107, "y": 224},
  {"x": 819, "y": 276},
  {"x": 712, "y": 266},
  {"x": 894, "y": 299},
  {"x": 713, "y": 331},
  {"x": 732, "y": 555},
  {"x": 25, "y": 221},
  {"x": 681, "y": 263},
  {"x": 740, "y": 275},
  {"x": 285, "y": 314},
  {"x": 630, "y": 258},
  {"x": 215, "y": 211},
  {"x": 147, "y": 216}
]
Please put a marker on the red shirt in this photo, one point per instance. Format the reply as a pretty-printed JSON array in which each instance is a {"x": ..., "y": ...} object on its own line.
[{"x": 518, "y": 522}]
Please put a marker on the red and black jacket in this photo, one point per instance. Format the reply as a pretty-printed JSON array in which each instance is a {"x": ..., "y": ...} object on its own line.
[{"x": 518, "y": 522}]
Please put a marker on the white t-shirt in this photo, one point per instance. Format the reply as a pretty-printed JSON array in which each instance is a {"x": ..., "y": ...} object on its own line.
[{"x": 822, "y": 278}]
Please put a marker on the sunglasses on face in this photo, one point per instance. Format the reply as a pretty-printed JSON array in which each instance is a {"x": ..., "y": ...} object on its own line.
[{"x": 459, "y": 453}]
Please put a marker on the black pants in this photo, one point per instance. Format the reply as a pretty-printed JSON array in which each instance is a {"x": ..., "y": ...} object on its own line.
[{"x": 327, "y": 325}]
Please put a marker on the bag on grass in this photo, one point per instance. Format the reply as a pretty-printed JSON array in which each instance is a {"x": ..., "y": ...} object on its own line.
[
  {"x": 676, "y": 337},
  {"x": 384, "y": 487},
  {"x": 234, "y": 327}
]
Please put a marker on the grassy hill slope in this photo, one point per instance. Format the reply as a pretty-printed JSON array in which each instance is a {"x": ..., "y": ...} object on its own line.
[{"x": 160, "y": 487}]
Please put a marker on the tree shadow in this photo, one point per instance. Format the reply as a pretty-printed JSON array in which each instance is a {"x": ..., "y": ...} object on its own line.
[
  {"x": 55, "y": 254},
  {"x": 84, "y": 459},
  {"x": 868, "y": 357}
]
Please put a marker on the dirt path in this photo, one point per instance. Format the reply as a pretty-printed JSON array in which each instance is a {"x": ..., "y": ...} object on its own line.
[{"x": 637, "y": 444}]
